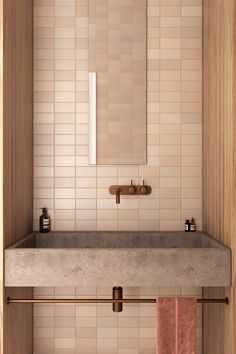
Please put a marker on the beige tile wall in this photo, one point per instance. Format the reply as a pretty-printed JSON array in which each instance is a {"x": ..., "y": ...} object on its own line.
[
  {"x": 95, "y": 329},
  {"x": 76, "y": 194}
]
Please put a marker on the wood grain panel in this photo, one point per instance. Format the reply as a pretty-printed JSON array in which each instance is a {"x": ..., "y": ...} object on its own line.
[
  {"x": 17, "y": 124},
  {"x": 219, "y": 209},
  {"x": 18, "y": 324},
  {"x": 16, "y": 160}
]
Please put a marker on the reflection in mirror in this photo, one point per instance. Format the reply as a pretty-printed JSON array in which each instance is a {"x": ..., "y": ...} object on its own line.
[{"x": 117, "y": 55}]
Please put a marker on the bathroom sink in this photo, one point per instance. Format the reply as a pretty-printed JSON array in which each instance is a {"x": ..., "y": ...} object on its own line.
[{"x": 117, "y": 258}]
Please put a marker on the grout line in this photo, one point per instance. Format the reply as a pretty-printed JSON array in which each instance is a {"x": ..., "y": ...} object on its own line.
[
  {"x": 54, "y": 322},
  {"x": 75, "y": 123},
  {"x": 138, "y": 320},
  {"x": 159, "y": 118},
  {"x": 54, "y": 170},
  {"x": 181, "y": 113},
  {"x": 75, "y": 333},
  {"x": 96, "y": 319}
]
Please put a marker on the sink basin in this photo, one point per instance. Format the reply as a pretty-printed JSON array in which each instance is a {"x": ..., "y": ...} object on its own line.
[{"x": 117, "y": 258}]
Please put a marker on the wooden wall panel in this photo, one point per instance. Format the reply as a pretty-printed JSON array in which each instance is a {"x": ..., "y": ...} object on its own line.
[
  {"x": 16, "y": 160},
  {"x": 18, "y": 324},
  {"x": 17, "y": 125},
  {"x": 219, "y": 209}
]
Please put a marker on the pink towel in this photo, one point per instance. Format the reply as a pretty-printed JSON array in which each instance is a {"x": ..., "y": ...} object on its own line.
[{"x": 176, "y": 325}]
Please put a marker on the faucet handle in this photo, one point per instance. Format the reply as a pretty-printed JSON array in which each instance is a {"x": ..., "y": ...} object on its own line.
[
  {"x": 143, "y": 189},
  {"x": 132, "y": 189}
]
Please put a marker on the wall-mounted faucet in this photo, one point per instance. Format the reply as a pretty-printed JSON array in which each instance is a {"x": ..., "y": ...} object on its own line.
[
  {"x": 129, "y": 190},
  {"x": 118, "y": 196}
]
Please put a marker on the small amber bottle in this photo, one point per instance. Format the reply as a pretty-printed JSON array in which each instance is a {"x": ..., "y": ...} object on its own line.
[
  {"x": 192, "y": 225},
  {"x": 187, "y": 225},
  {"x": 44, "y": 221}
]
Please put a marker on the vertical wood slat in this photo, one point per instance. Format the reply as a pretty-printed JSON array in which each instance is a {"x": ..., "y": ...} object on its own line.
[
  {"x": 219, "y": 158},
  {"x": 16, "y": 160}
]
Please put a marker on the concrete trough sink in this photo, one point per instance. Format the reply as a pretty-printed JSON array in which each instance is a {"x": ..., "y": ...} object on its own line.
[{"x": 118, "y": 258}]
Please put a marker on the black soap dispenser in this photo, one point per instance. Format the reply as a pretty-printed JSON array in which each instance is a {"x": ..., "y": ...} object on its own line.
[
  {"x": 44, "y": 221},
  {"x": 193, "y": 225},
  {"x": 187, "y": 225}
]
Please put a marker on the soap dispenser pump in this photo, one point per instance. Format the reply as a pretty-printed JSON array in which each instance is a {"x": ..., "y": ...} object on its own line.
[{"x": 44, "y": 221}]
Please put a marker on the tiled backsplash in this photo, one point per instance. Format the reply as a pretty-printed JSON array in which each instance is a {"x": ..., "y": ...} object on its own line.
[
  {"x": 75, "y": 193},
  {"x": 95, "y": 329}
]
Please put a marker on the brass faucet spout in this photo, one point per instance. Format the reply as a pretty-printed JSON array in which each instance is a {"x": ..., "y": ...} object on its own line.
[{"x": 118, "y": 196}]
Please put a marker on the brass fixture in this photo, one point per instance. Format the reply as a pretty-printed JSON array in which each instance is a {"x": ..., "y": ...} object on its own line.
[
  {"x": 117, "y": 292},
  {"x": 117, "y": 301},
  {"x": 104, "y": 301},
  {"x": 117, "y": 195},
  {"x": 143, "y": 189},
  {"x": 129, "y": 190}
]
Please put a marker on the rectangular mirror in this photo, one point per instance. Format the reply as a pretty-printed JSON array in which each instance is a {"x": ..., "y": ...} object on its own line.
[{"x": 117, "y": 84}]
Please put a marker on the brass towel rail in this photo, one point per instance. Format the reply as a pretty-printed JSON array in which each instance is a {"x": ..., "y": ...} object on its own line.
[
  {"x": 104, "y": 301},
  {"x": 117, "y": 300}
]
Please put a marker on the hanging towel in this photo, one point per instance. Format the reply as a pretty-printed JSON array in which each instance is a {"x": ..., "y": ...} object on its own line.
[{"x": 176, "y": 325}]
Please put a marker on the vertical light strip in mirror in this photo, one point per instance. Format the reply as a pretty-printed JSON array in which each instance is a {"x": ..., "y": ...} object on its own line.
[{"x": 92, "y": 118}]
